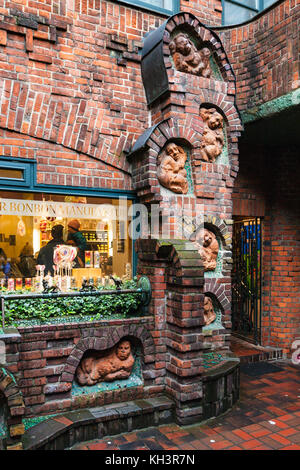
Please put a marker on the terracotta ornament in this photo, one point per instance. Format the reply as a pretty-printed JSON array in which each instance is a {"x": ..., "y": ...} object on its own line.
[
  {"x": 117, "y": 365},
  {"x": 209, "y": 249},
  {"x": 187, "y": 58},
  {"x": 209, "y": 313},
  {"x": 171, "y": 172},
  {"x": 212, "y": 142}
]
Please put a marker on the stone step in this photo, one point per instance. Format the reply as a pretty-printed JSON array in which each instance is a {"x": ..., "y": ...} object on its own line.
[{"x": 62, "y": 431}]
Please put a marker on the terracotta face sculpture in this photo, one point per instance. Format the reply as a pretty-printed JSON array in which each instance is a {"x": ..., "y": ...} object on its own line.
[
  {"x": 171, "y": 172},
  {"x": 209, "y": 249},
  {"x": 188, "y": 59},
  {"x": 114, "y": 366},
  {"x": 209, "y": 313},
  {"x": 213, "y": 138}
]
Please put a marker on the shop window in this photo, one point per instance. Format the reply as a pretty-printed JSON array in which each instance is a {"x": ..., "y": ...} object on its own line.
[
  {"x": 168, "y": 7},
  {"x": 33, "y": 225},
  {"x": 239, "y": 11}
]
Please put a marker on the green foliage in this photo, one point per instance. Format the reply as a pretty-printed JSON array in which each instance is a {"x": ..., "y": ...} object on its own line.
[{"x": 97, "y": 307}]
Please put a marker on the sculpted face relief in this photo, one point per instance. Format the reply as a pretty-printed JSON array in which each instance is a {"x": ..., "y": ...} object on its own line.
[
  {"x": 187, "y": 58},
  {"x": 209, "y": 313},
  {"x": 212, "y": 141},
  {"x": 171, "y": 172},
  {"x": 209, "y": 249}
]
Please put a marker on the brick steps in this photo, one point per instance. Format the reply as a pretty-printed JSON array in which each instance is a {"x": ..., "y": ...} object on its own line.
[
  {"x": 65, "y": 430},
  {"x": 248, "y": 352}
]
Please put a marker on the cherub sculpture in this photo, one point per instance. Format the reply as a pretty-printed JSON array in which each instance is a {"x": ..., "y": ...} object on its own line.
[
  {"x": 187, "y": 58},
  {"x": 213, "y": 138},
  {"x": 116, "y": 365},
  {"x": 209, "y": 249},
  {"x": 171, "y": 172},
  {"x": 209, "y": 313}
]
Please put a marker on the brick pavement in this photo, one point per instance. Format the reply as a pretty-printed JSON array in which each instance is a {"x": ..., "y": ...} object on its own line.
[{"x": 267, "y": 417}]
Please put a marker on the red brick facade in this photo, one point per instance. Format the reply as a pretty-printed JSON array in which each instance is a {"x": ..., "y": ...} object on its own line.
[
  {"x": 73, "y": 99},
  {"x": 264, "y": 54}
]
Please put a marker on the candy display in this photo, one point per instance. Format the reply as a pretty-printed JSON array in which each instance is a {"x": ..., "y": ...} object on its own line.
[
  {"x": 88, "y": 259},
  {"x": 10, "y": 284},
  {"x": 19, "y": 283},
  {"x": 96, "y": 259},
  {"x": 63, "y": 258}
]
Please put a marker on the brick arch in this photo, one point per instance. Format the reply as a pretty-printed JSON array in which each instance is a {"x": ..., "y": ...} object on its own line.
[
  {"x": 187, "y": 22},
  {"x": 16, "y": 408},
  {"x": 219, "y": 291},
  {"x": 151, "y": 143},
  {"x": 109, "y": 338},
  {"x": 175, "y": 129},
  {"x": 221, "y": 227},
  {"x": 219, "y": 99}
]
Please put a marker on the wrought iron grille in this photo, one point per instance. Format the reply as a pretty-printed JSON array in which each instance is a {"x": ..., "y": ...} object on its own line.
[{"x": 246, "y": 279}]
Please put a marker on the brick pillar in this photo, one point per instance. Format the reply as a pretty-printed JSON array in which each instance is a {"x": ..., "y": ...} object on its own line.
[{"x": 177, "y": 279}]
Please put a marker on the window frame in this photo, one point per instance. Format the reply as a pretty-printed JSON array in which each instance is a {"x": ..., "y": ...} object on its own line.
[
  {"x": 239, "y": 3},
  {"x": 150, "y": 7},
  {"x": 28, "y": 168}
]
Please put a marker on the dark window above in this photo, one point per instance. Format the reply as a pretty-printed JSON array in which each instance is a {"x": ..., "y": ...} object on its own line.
[
  {"x": 169, "y": 7},
  {"x": 239, "y": 11}
]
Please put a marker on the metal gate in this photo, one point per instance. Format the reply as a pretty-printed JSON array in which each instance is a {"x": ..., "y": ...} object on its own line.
[{"x": 246, "y": 279}]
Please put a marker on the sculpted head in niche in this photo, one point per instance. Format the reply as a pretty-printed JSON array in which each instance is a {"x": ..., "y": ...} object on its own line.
[
  {"x": 187, "y": 58},
  {"x": 123, "y": 350},
  {"x": 208, "y": 248},
  {"x": 209, "y": 313},
  {"x": 171, "y": 172},
  {"x": 212, "y": 141}
]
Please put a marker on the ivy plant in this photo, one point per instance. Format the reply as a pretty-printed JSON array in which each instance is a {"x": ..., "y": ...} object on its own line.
[{"x": 95, "y": 307}]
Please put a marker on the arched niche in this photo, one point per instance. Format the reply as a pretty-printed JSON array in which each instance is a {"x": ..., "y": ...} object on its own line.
[
  {"x": 214, "y": 139},
  {"x": 156, "y": 53},
  {"x": 217, "y": 324}
]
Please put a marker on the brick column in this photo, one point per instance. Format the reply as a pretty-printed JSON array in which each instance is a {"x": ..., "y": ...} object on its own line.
[{"x": 177, "y": 278}]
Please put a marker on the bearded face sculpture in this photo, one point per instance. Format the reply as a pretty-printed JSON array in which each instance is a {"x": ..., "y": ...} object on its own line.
[
  {"x": 209, "y": 249},
  {"x": 187, "y": 58},
  {"x": 212, "y": 141},
  {"x": 209, "y": 313},
  {"x": 116, "y": 365},
  {"x": 171, "y": 172}
]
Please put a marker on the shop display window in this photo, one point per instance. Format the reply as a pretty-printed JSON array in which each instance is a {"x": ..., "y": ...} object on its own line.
[{"x": 66, "y": 240}]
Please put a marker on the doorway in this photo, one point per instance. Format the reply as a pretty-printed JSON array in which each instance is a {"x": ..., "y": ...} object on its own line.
[{"x": 246, "y": 278}]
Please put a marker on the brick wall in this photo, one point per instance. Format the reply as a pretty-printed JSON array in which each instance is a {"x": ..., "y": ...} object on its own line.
[
  {"x": 264, "y": 54},
  {"x": 59, "y": 102},
  {"x": 43, "y": 360}
]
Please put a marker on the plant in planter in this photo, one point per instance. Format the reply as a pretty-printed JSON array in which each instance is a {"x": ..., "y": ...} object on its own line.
[{"x": 96, "y": 308}]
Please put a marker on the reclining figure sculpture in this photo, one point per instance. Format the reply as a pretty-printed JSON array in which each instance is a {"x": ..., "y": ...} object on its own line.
[{"x": 116, "y": 365}]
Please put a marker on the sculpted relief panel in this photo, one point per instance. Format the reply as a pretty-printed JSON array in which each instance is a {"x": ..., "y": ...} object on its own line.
[
  {"x": 209, "y": 249},
  {"x": 209, "y": 313},
  {"x": 187, "y": 58},
  {"x": 171, "y": 172},
  {"x": 212, "y": 142},
  {"x": 115, "y": 365}
]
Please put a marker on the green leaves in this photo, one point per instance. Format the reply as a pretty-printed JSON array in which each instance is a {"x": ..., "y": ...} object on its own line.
[{"x": 99, "y": 307}]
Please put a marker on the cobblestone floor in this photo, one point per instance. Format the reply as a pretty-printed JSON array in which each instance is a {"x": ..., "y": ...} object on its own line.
[{"x": 267, "y": 417}]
